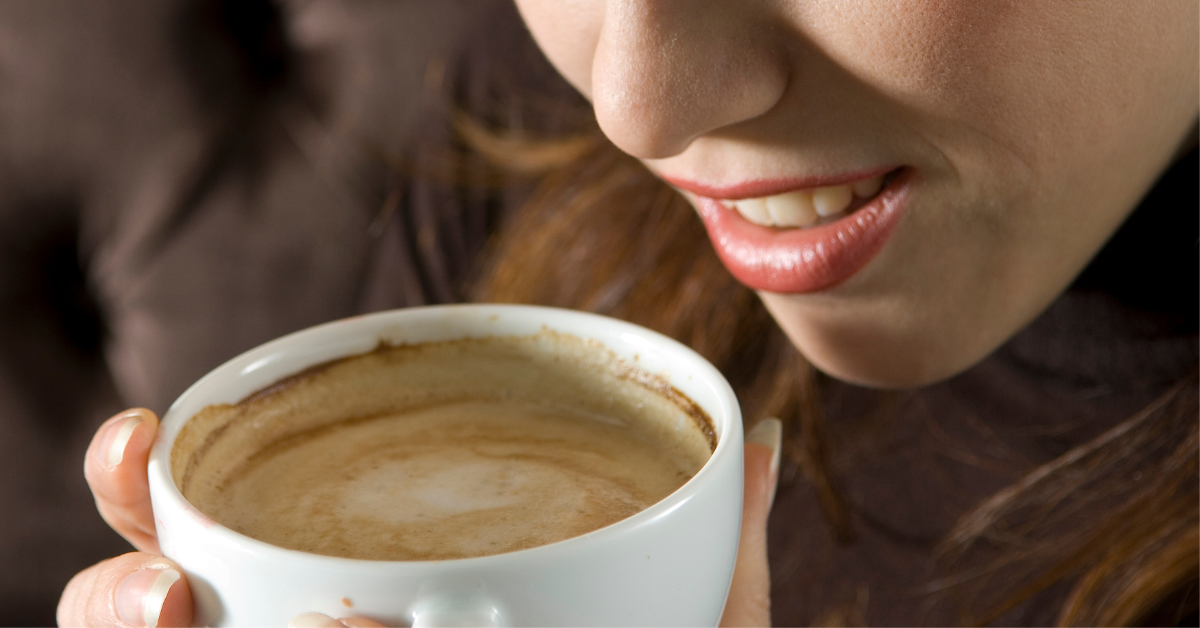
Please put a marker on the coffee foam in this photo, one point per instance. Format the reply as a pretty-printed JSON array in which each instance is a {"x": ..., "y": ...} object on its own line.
[{"x": 443, "y": 450}]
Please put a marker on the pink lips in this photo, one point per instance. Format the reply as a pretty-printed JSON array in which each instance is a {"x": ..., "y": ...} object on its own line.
[{"x": 803, "y": 260}]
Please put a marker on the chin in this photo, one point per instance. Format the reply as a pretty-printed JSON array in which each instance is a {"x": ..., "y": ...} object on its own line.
[
  {"x": 884, "y": 367},
  {"x": 870, "y": 352}
]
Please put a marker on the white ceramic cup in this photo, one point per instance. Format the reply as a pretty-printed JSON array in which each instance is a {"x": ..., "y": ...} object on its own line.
[{"x": 668, "y": 565}]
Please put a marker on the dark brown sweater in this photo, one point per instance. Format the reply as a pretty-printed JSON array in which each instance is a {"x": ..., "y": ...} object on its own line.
[{"x": 181, "y": 181}]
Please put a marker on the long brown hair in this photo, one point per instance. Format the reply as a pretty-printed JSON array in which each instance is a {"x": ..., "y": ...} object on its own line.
[{"x": 1116, "y": 518}]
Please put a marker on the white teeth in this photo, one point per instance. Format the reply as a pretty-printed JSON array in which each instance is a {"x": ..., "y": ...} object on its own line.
[
  {"x": 868, "y": 188},
  {"x": 755, "y": 210},
  {"x": 794, "y": 209},
  {"x": 832, "y": 200},
  {"x": 804, "y": 208}
]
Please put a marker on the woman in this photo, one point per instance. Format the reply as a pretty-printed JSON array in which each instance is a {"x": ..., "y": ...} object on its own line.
[{"x": 906, "y": 187}]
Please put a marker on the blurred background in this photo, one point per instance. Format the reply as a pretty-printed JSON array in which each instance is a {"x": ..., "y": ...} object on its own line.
[{"x": 180, "y": 181}]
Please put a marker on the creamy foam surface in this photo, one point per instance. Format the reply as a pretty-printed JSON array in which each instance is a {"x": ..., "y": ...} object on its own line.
[{"x": 443, "y": 450}]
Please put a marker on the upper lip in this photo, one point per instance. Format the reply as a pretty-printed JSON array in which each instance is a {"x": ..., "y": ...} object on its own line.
[{"x": 758, "y": 188}]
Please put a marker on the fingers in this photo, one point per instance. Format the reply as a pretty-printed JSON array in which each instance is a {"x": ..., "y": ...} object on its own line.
[
  {"x": 115, "y": 468},
  {"x": 317, "y": 620},
  {"x": 749, "y": 601},
  {"x": 135, "y": 589}
]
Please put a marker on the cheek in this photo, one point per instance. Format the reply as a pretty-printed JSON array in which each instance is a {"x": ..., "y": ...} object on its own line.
[
  {"x": 1049, "y": 120},
  {"x": 567, "y": 31},
  {"x": 1051, "y": 83}
]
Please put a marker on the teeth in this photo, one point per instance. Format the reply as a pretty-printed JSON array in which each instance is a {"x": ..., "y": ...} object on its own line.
[
  {"x": 794, "y": 209},
  {"x": 755, "y": 210},
  {"x": 832, "y": 200},
  {"x": 804, "y": 208}
]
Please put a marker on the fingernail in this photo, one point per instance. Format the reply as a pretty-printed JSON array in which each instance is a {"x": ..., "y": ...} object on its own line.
[
  {"x": 769, "y": 434},
  {"x": 141, "y": 595},
  {"x": 121, "y": 431},
  {"x": 314, "y": 620}
]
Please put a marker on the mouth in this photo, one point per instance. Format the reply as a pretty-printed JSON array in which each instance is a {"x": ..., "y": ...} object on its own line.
[{"x": 802, "y": 239}]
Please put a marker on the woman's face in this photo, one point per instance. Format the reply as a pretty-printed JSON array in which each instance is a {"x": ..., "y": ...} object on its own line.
[{"x": 1010, "y": 140}]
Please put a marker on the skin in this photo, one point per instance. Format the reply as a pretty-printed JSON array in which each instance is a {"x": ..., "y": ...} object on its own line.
[{"x": 1033, "y": 129}]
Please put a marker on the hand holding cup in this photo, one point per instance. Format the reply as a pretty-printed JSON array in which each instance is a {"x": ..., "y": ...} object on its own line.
[{"x": 121, "y": 497}]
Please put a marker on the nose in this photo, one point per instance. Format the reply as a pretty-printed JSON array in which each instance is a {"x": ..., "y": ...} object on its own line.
[{"x": 666, "y": 72}]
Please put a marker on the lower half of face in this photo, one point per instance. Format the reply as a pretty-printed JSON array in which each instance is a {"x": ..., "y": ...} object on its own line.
[
  {"x": 982, "y": 239},
  {"x": 906, "y": 185},
  {"x": 980, "y": 246}
]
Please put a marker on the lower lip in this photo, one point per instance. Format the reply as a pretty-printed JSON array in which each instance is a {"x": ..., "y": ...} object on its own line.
[{"x": 796, "y": 261}]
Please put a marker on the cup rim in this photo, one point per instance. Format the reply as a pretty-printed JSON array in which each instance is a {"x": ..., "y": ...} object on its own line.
[{"x": 728, "y": 430}]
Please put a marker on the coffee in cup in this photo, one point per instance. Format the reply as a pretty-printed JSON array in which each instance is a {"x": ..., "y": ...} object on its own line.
[
  {"x": 444, "y": 450},
  {"x": 669, "y": 564}
]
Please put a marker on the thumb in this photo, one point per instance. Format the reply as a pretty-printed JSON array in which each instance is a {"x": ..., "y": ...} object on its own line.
[
  {"x": 749, "y": 601},
  {"x": 134, "y": 589}
]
